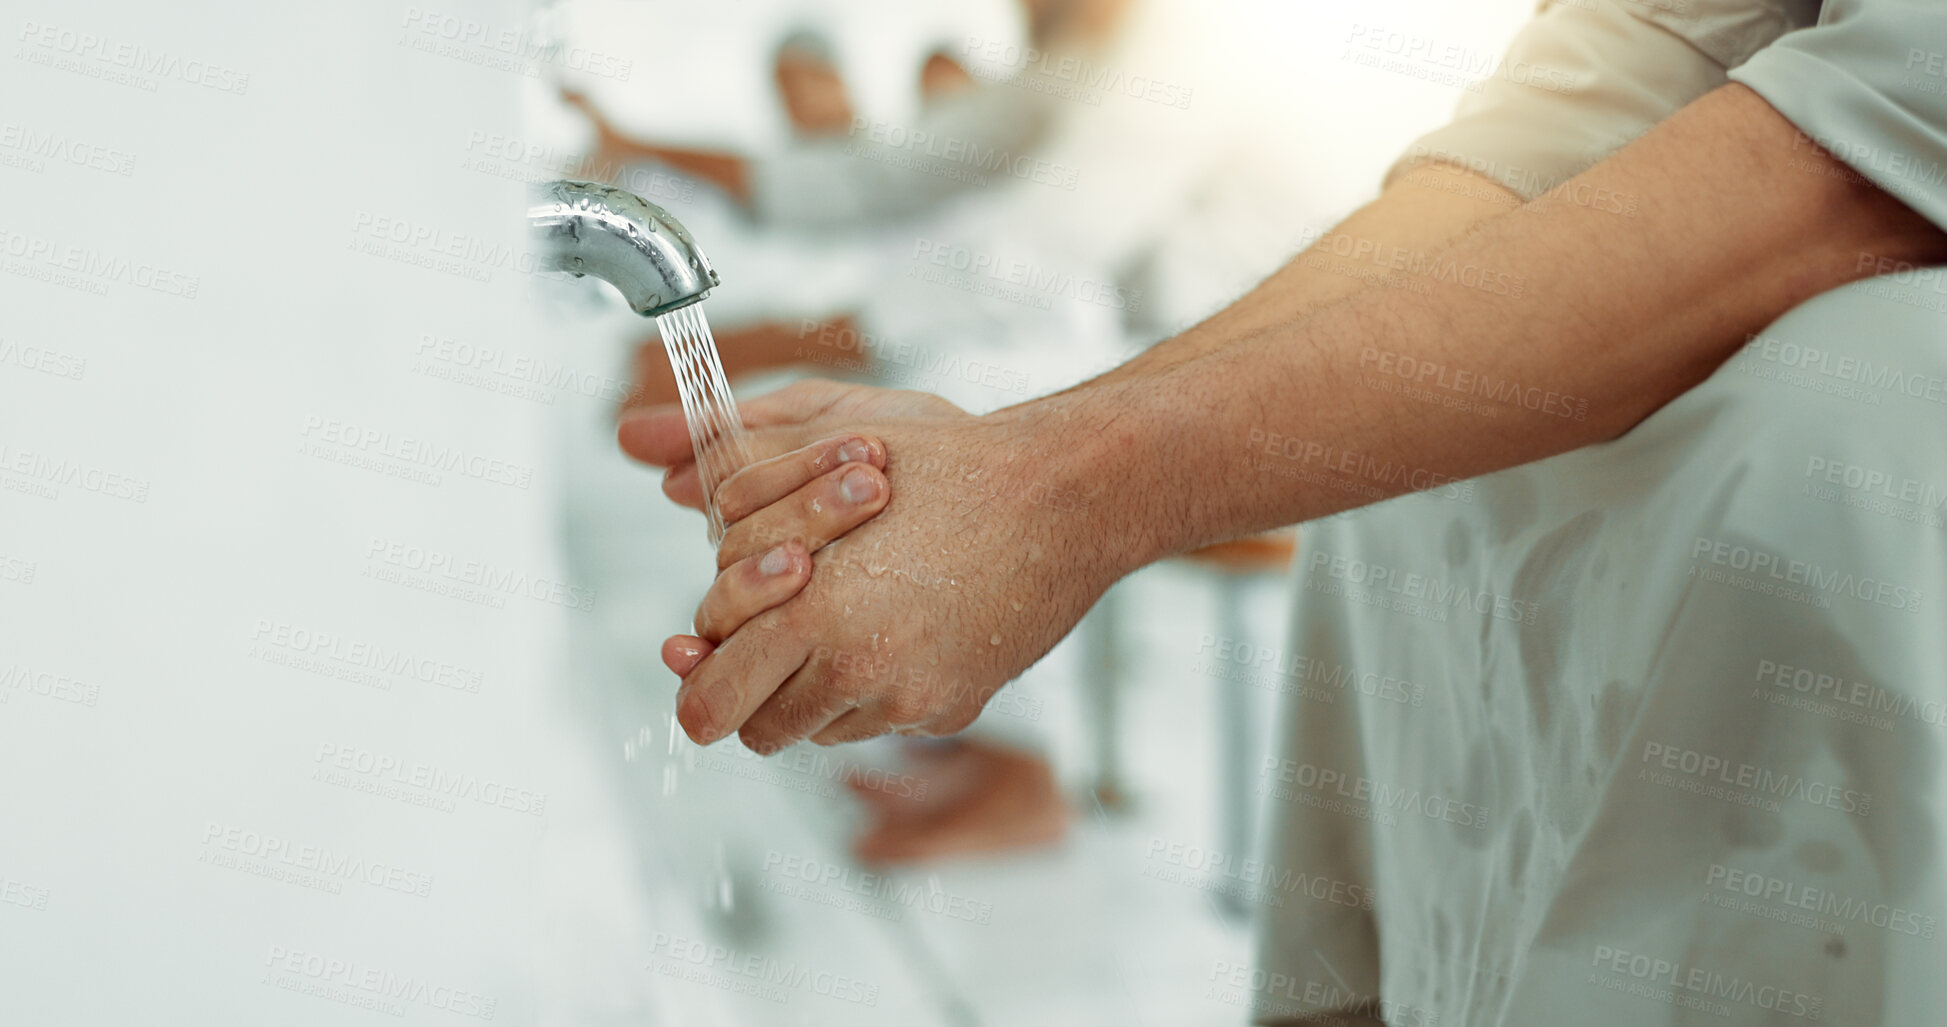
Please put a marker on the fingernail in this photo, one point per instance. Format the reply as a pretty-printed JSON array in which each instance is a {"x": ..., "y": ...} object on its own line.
[
  {"x": 857, "y": 486},
  {"x": 774, "y": 563},
  {"x": 854, "y": 452}
]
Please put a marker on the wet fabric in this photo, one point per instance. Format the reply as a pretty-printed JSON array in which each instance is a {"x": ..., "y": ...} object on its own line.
[{"x": 1652, "y": 732}]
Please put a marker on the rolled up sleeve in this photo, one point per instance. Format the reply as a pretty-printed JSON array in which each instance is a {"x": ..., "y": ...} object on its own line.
[
  {"x": 1609, "y": 74},
  {"x": 1868, "y": 83}
]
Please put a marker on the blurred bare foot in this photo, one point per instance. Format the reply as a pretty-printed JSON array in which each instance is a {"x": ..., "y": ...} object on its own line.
[
  {"x": 1270, "y": 551},
  {"x": 980, "y": 797}
]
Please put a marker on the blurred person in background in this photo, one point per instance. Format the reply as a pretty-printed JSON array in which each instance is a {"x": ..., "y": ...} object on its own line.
[
  {"x": 1640, "y": 193},
  {"x": 843, "y": 215}
]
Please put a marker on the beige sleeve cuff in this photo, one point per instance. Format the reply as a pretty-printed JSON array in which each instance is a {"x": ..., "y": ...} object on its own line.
[{"x": 1577, "y": 84}]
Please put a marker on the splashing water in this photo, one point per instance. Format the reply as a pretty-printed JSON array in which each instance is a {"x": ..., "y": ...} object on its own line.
[{"x": 716, "y": 432}]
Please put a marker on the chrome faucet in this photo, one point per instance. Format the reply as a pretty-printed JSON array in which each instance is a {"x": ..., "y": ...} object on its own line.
[{"x": 586, "y": 228}]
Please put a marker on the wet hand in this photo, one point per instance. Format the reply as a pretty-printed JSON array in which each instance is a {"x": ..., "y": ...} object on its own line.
[
  {"x": 779, "y": 512},
  {"x": 977, "y": 564},
  {"x": 795, "y": 416}
]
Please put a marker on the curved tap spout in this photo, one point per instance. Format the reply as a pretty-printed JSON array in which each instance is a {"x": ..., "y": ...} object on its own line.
[{"x": 586, "y": 228}]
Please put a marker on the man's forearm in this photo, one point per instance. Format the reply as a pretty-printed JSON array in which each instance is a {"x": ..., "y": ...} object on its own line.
[
  {"x": 1423, "y": 212},
  {"x": 1605, "y": 317}
]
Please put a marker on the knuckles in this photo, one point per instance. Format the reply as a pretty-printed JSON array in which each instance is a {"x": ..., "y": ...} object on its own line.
[
  {"x": 906, "y": 706},
  {"x": 796, "y": 719}
]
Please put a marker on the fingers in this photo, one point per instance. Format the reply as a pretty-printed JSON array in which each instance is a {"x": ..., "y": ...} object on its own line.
[
  {"x": 799, "y": 402},
  {"x": 729, "y": 684},
  {"x": 830, "y": 710},
  {"x": 645, "y": 438},
  {"x": 772, "y": 477},
  {"x": 767, "y": 481},
  {"x": 657, "y": 435},
  {"x": 684, "y": 486},
  {"x": 751, "y": 586},
  {"x": 681, "y": 653},
  {"x": 799, "y": 709},
  {"x": 811, "y": 517}
]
